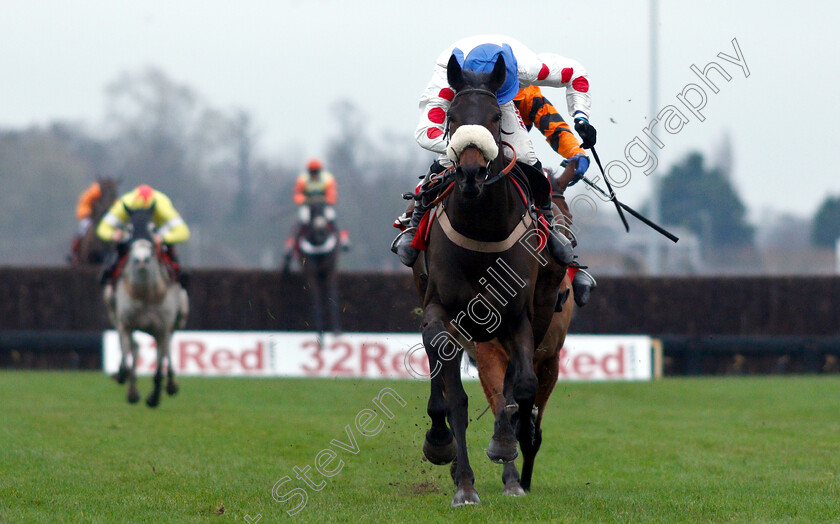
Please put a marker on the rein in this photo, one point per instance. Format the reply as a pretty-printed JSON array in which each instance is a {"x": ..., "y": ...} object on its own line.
[
  {"x": 446, "y": 175},
  {"x": 504, "y": 172}
]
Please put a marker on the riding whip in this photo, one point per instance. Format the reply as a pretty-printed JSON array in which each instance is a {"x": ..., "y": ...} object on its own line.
[
  {"x": 632, "y": 211},
  {"x": 612, "y": 193}
]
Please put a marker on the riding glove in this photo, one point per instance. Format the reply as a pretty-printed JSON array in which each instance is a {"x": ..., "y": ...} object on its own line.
[
  {"x": 586, "y": 131},
  {"x": 580, "y": 169}
]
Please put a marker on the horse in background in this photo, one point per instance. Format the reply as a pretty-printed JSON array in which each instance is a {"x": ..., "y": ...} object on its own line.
[
  {"x": 146, "y": 298},
  {"x": 92, "y": 249},
  {"x": 317, "y": 251},
  {"x": 477, "y": 234}
]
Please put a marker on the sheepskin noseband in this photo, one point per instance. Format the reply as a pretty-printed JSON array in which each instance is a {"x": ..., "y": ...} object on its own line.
[{"x": 472, "y": 135}]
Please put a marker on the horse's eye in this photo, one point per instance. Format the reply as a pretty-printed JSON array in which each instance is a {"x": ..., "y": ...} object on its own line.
[{"x": 497, "y": 117}]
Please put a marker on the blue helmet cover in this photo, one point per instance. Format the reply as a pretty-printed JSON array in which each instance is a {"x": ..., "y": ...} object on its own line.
[{"x": 483, "y": 58}]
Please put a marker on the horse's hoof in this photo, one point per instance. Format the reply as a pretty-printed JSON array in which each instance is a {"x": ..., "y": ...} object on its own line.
[
  {"x": 513, "y": 490},
  {"x": 502, "y": 452},
  {"x": 171, "y": 388},
  {"x": 153, "y": 400},
  {"x": 465, "y": 496},
  {"x": 440, "y": 454},
  {"x": 133, "y": 396},
  {"x": 121, "y": 375}
]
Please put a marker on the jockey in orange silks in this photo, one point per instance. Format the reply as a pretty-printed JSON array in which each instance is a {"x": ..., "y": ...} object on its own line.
[
  {"x": 315, "y": 185},
  {"x": 537, "y": 111},
  {"x": 84, "y": 212}
]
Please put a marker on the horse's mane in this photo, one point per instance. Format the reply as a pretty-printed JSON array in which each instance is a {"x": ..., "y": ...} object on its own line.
[{"x": 140, "y": 220}]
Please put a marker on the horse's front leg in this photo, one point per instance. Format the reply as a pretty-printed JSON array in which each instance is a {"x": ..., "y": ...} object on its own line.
[
  {"x": 439, "y": 447},
  {"x": 548, "y": 370},
  {"x": 547, "y": 367},
  {"x": 520, "y": 347},
  {"x": 162, "y": 342},
  {"x": 332, "y": 299},
  {"x": 127, "y": 344},
  {"x": 125, "y": 349},
  {"x": 493, "y": 372},
  {"x": 171, "y": 383},
  {"x": 109, "y": 296},
  {"x": 444, "y": 353},
  {"x": 315, "y": 289},
  {"x": 492, "y": 367}
]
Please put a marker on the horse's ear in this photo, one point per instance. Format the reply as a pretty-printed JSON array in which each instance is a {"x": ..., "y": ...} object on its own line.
[
  {"x": 454, "y": 74},
  {"x": 497, "y": 77}
]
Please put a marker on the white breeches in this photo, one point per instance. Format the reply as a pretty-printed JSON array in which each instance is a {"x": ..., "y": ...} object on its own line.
[
  {"x": 304, "y": 214},
  {"x": 83, "y": 226}
]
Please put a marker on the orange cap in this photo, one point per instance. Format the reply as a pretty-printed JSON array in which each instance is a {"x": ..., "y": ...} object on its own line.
[{"x": 314, "y": 165}]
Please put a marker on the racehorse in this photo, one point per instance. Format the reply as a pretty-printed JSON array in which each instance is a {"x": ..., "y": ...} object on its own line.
[
  {"x": 92, "y": 249},
  {"x": 146, "y": 298},
  {"x": 483, "y": 234},
  {"x": 317, "y": 251}
]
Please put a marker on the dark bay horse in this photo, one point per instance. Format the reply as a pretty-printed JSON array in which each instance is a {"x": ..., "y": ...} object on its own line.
[
  {"x": 92, "y": 249},
  {"x": 318, "y": 253},
  {"x": 478, "y": 284}
]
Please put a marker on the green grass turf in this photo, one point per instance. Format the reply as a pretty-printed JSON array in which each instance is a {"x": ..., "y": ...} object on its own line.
[{"x": 722, "y": 449}]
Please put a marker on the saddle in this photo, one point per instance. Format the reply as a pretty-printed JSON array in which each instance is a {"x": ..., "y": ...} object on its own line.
[{"x": 532, "y": 185}]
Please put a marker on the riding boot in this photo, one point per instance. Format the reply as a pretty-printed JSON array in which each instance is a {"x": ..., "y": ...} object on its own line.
[
  {"x": 106, "y": 276},
  {"x": 183, "y": 279},
  {"x": 558, "y": 245},
  {"x": 583, "y": 284},
  {"x": 180, "y": 276},
  {"x": 402, "y": 244},
  {"x": 110, "y": 299},
  {"x": 74, "y": 249},
  {"x": 344, "y": 240}
]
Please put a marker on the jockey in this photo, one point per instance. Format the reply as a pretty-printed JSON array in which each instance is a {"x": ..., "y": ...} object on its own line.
[
  {"x": 84, "y": 210},
  {"x": 315, "y": 186},
  {"x": 524, "y": 68},
  {"x": 536, "y": 110},
  {"x": 170, "y": 228}
]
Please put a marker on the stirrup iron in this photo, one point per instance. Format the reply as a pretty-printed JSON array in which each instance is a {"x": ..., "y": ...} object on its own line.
[{"x": 406, "y": 231}]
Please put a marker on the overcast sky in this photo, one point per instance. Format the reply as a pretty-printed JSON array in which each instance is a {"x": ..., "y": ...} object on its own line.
[{"x": 286, "y": 62}]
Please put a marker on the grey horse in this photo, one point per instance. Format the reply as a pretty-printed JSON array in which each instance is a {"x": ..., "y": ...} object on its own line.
[{"x": 146, "y": 298}]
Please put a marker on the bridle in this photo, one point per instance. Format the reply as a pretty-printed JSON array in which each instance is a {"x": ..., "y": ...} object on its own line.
[
  {"x": 504, "y": 172},
  {"x": 477, "y": 90}
]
